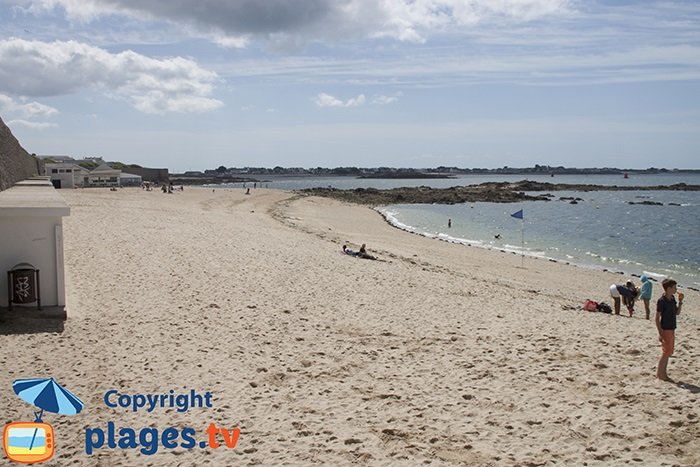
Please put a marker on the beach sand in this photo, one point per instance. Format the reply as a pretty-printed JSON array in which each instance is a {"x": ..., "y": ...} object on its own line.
[{"x": 438, "y": 354}]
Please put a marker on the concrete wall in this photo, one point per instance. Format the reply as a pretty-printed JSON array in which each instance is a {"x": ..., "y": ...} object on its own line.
[
  {"x": 31, "y": 231},
  {"x": 16, "y": 164},
  {"x": 149, "y": 175}
]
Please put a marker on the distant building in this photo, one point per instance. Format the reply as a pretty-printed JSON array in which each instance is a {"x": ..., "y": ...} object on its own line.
[
  {"x": 65, "y": 174},
  {"x": 71, "y": 175},
  {"x": 126, "y": 179},
  {"x": 102, "y": 176},
  {"x": 98, "y": 174}
]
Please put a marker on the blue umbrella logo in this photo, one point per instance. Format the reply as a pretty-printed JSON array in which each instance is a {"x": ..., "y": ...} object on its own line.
[{"x": 48, "y": 395}]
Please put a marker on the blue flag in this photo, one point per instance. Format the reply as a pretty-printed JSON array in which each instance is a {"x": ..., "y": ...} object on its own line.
[{"x": 517, "y": 215}]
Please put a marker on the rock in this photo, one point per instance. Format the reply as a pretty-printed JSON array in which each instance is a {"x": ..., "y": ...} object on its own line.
[{"x": 16, "y": 164}]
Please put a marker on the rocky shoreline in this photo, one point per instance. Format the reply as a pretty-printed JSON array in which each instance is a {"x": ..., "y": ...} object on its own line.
[{"x": 494, "y": 192}]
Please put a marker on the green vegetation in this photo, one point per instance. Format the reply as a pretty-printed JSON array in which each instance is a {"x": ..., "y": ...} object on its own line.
[
  {"x": 121, "y": 166},
  {"x": 89, "y": 165}
]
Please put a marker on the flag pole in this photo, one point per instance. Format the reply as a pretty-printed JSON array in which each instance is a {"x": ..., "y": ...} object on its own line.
[
  {"x": 520, "y": 215},
  {"x": 522, "y": 242}
]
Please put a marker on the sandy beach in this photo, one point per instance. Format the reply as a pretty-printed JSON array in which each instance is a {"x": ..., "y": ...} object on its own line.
[{"x": 438, "y": 354}]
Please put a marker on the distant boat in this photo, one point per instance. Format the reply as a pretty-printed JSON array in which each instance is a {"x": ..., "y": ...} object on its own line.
[{"x": 627, "y": 175}]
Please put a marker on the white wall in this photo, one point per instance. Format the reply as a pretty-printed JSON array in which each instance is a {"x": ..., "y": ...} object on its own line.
[
  {"x": 67, "y": 178},
  {"x": 31, "y": 231},
  {"x": 33, "y": 240}
]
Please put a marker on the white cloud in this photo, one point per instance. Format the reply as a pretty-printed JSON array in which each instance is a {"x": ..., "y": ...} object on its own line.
[
  {"x": 326, "y": 100},
  {"x": 34, "y": 68},
  {"x": 33, "y": 125},
  {"x": 386, "y": 100},
  {"x": 355, "y": 101},
  {"x": 234, "y": 42},
  {"x": 436, "y": 67},
  {"x": 76, "y": 10},
  {"x": 36, "y": 109},
  {"x": 291, "y": 22},
  {"x": 27, "y": 110}
]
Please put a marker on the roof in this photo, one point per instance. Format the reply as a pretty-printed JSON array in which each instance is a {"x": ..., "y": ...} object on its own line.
[
  {"x": 33, "y": 197},
  {"x": 104, "y": 168},
  {"x": 62, "y": 165}
]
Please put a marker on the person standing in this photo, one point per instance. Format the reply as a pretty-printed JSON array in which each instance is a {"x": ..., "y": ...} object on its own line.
[
  {"x": 645, "y": 294},
  {"x": 666, "y": 312}
]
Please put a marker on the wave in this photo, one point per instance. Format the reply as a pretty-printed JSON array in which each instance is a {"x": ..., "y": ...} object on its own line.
[{"x": 598, "y": 261}]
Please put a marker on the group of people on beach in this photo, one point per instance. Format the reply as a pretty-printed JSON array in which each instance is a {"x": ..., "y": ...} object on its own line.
[
  {"x": 667, "y": 308},
  {"x": 628, "y": 293}
]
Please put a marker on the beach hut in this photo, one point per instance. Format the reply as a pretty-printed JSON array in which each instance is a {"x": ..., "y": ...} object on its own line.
[{"x": 31, "y": 233}]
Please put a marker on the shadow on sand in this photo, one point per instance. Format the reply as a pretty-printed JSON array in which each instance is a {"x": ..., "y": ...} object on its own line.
[
  {"x": 688, "y": 387},
  {"x": 20, "y": 321}
]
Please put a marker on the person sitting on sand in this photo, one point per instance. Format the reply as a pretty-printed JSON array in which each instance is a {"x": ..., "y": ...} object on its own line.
[
  {"x": 363, "y": 253},
  {"x": 348, "y": 251}
]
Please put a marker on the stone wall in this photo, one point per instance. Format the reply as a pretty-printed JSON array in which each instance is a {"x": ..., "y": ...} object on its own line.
[
  {"x": 16, "y": 164},
  {"x": 149, "y": 175}
]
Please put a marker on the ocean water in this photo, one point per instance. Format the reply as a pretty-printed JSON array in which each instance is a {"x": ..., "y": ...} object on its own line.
[
  {"x": 349, "y": 183},
  {"x": 602, "y": 231}
]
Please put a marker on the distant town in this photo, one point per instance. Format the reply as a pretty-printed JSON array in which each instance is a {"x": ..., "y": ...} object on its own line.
[
  {"x": 233, "y": 174},
  {"x": 442, "y": 170},
  {"x": 94, "y": 171}
]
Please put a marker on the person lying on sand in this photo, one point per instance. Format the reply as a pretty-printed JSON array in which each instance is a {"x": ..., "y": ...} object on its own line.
[
  {"x": 348, "y": 251},
  {"x": 360, "y": 254}
]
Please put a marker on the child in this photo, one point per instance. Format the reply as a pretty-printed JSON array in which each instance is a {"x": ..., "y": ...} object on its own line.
[
  {"x": 666, "y": 311},
  {"x": 645, "y": 295}
]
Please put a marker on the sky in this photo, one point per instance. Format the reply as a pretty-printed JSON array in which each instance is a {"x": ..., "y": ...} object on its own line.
[{"x": 329, "y": 83}]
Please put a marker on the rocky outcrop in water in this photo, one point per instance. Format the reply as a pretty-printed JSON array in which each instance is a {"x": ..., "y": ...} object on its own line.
[
  {"x": 427, "y": 195},
  {"x": 527, "y": 185},
  {"x": 494, "y": 192}
]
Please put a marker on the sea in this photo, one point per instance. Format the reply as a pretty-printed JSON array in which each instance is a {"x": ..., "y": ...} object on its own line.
[{"x": 602, "y": 230}]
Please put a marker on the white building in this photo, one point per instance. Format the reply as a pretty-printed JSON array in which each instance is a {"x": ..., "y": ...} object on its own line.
[
  {"x": 64, "y": 174},
  {"x": 102, "y": 176},
  {"x": 126, "y": 179},
  {"x": 72, "y": 175},
  {"x": 31, "y": 231}
]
